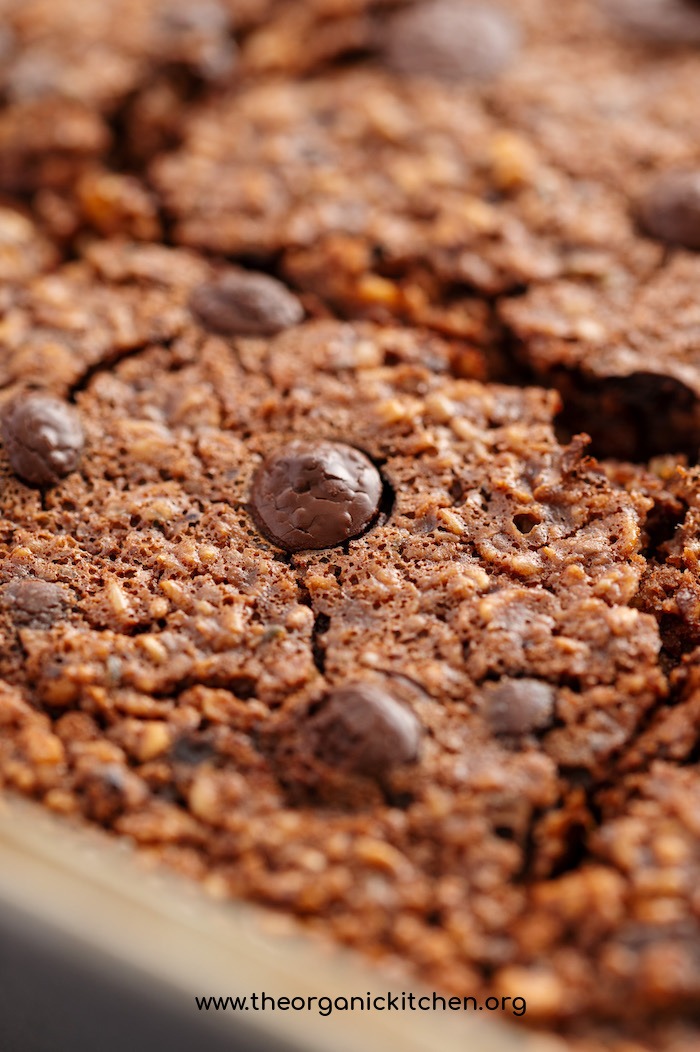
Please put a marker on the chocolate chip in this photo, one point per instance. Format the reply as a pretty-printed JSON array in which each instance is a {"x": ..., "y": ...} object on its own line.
[
  {"x": 518, "y": 706},
  {"x": 43, "y": 437},
  {"x": 364, "y": 729},
  {"x": 315, "y": 495},
  {"x": 658, "y": 21},
  {"x": 245, "y": 305},
  {"x": 451, "y": 40},
  {"x": 193, "y": 749},
  {"x": 34, "y": 604},
  {"x": 671, "y": 209}
]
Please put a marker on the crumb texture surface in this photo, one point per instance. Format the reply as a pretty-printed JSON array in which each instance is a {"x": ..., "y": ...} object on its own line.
[{"x": 349, "y": 498}]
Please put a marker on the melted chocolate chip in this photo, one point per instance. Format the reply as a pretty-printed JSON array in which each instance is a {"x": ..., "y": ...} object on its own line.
[
  {"x": 43, "y": 437},
  {"x": 451, "y": 40},
  {"x": 671, "y": 209},
  {"x": 518, "y": 706},
  {"x": 364, "y": 729},
  {"x": 245, "y": 305},
  {"x": 315, "y": 495},
  {"x": 33, "y": 603},
  {"x": 658, "y": 21}
]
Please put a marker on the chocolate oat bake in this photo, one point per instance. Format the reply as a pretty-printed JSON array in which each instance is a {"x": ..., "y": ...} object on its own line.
[{"x": 336, "y": 337}]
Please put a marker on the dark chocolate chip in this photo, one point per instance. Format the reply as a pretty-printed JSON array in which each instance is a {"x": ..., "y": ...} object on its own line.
[
  {"x": 34, "y": 604},
  {"x": 518, "y": 706},
  {"x": 364, "y": 729},
  {"x": 242, "y": 304},
  {"x": 315, "y": 495},
  {"x": 671, "y": 209},
  {"x": 43, "y": 437},
  {"x": 192, "y": 749},
  {"x": 451, "y": 40},
  {"x": 658, "y": 21}
]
